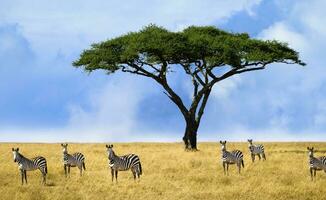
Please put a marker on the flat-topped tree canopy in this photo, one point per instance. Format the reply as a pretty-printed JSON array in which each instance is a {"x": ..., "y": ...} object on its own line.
[
  {"x": 156, "y": 45},
  {"x": 154, "y": 51}
]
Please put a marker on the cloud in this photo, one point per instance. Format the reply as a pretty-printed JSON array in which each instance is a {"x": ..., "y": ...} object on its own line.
[
  {"x": 226, "y": 87},
  {"x": 111, "y": 109},
  {"x": 282, "y": 32},
  {"x": 48, "y": 100},
  {"x": 72, "y": 25},
  {"x": 292, "y": 96}
]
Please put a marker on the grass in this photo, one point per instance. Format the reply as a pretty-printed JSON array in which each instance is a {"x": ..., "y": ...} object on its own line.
[{"x": 168, "y": 173}]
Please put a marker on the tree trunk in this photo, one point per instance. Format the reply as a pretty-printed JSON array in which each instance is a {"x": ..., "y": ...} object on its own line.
[{"x": 190, "y": 136}]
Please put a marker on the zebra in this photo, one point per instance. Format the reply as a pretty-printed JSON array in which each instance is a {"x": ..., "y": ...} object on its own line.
[
  {"x": 25, "y": 164},
  {"x": 123, "y": 163},
  {"x": 228, "y": 158},
  {"x": 72, "y": 160},
  {"x": 256, "y": 149},
  {"x": 315, "y": 163}
]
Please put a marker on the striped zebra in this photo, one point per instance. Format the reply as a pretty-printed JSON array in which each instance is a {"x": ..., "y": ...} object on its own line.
[
  {"x": 72, "y": 160},
  {"x": 315, "y": 163},
  {"x": 25, "y": 164},
  {"x": 123, "y": 163},
  {"x": 229, "y": 158},
  {"x": 257, "y": 149}
]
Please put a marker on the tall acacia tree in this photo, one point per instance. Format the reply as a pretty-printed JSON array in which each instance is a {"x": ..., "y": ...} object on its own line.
[{"x": 206, "y": 54}]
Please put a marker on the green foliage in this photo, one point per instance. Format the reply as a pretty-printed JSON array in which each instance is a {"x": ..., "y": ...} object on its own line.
[{"x": 155, "y": 45}]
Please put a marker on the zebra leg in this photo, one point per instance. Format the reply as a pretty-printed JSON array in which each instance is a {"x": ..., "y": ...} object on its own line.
[
  {"x": 69, "y": 170},
  {"x": 44, "y": 177},
  {"x": 139, "y": 171},
  {"x": 65, "y": 168},
  {"x": 25, "y": 175},
  {"x": 264, "y": 156},
  {"x": 22, "y": 175},
  {"x": 259, "y": 156},
  {"x": 315, "y": 173},
  {"x": 239, "y": 166},
  {"x": 253, "y": 157},
  {"x": 224, "y": 168},
  {"x": 134, "y": 173},
  {"x": 311, "y": 174},
  {"x": 227, "y": 168},
  {"x": 80, "y": 170},
  {"x": 116, "y": 175},
  {"x": 112, "y": 174}
]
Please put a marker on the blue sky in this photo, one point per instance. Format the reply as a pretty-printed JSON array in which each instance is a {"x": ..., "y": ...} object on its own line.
[{"x": 44, "y": 99}]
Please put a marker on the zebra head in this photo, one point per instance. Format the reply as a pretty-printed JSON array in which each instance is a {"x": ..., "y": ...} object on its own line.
[
  {"x": 223, "y": 145},
  {"x": 16, "y": 154},
  {"x": 310, "y": 151},
  {"x": 110, "y": 151},
  {"x": 64, "y": 148},
  {"x": 250, "y": 141}
]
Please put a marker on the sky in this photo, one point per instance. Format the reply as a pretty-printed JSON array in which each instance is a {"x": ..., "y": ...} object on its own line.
[{"x": 43, "y": 98}]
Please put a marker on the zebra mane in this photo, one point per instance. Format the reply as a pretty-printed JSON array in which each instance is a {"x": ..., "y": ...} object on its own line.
[
  {"x": 21, "y": 155},
  {"x": 114, "y": 154}
]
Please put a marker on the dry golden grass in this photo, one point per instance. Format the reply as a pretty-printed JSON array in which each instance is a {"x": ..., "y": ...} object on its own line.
[{"x": 168, "y": 173}]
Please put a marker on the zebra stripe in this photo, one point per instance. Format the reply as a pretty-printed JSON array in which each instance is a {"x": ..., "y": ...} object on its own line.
[
  {"x": 123, "y": 163},
  {"x": 25, "y": 164},
  {"x": 72, "y": 160},
  {"x": 257, "y": 149},
  {"x": 315, "y": 164},
  {"x": 229, "y": 158}
]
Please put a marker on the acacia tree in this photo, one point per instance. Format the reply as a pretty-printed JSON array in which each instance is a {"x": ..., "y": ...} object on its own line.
[{"x": 206, "y": 54}]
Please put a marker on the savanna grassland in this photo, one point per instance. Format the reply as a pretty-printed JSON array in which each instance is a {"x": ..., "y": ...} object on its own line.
[{"x": 168, "y": 173}]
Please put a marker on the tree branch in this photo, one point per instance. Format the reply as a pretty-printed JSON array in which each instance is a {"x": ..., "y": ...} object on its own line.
[
  {"x": 175, "y": 98},
  {"x": 193, "y": 74},
  {"x": 202, "y": 106},
  {"x": 134, "y": 71},
  {"x": 148, "y": 64},
  {"x": 194, "y": 82},
  {"x": 140, "y": 71},
  {"x": 250, "y": 69}
]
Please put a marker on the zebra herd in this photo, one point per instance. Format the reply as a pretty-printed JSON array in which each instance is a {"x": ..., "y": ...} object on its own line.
[
  {"x": 236, "y": 156},
  {"x": 132, "y": 161},
  {"x": 116, "y": 163}
]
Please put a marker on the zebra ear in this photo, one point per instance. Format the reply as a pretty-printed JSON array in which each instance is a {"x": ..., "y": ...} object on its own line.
[
  {"x": 12, "y": 149},
  {"x": 221, "y": 142},
  {"x": 111, "y": 145},
  {"x": 224, "y": 141},
  {"x": 308, "y": 148},
  {"x": 17, "y": 149},
  {"x": 107, "y": 146},
  {"x": 61, "y": 144}
]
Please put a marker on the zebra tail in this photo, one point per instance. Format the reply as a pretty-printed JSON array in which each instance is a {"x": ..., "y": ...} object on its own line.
[
  {"x": 46, "y": 169},
  {"x": 242, "y": 162},
  {"x": 140, "y": 169},
  {"x": 84, "y": 166}
]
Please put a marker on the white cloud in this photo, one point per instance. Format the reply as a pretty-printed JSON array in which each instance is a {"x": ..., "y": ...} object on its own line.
[
  {"x": 280, "y": 31},
  {"x": 224, "y": 89},
  {"x": 303, "y": 30},
  {"x": 71, "y": 25},
  {"x": 111, "y": 109},
  {"x": 110, "y": 112},
  {"x": 66, "y": 27}
]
